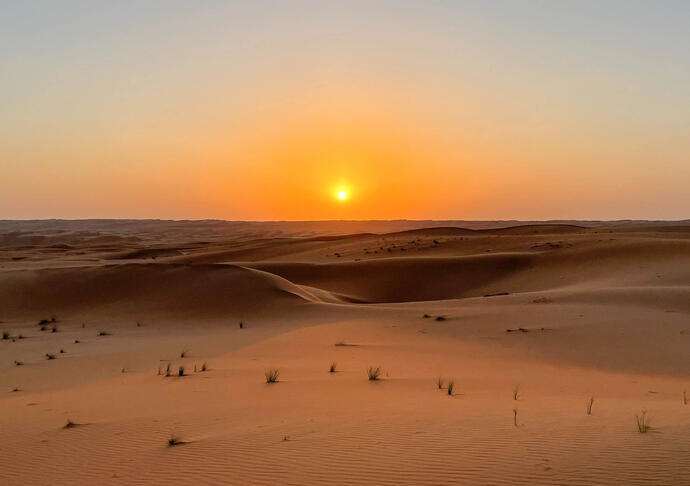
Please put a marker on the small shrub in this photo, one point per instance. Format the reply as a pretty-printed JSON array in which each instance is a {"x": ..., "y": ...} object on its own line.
[
  {"x": 174, "y": 441},
  {"x": 69, "y": 424},
  {"x": 451, "y": 385},
  {"x": 50, "y": 356},
  {"x": 373, "y": 373},
  {"x": 332, "y": 367},
  {"x": 168, "y": 369},
  {"x": 272, "y": 375},
  {"x": 516, "y": 392},
  {"x": 180, "y": 371},
  {"x": 241, "y": 324},
  {"x": 515, "y": 412},
  {"x": 183, "y": 354},
  {"x": 426, "y": 316},
  {"x": 43, "y": 328},
  {"x": 440, "y": 318},
  {"x": 439, "y": 383},
  {"x": 53, "y": 329},
  {"x": 204, "y": 367},
  {"x": 5, "y": 335},
  {"x": 17, "y": 363},
  {"x": 21, "y": 336},
  {"x": 62, "y": 351},
  {"x": 642, "y": 421},
  {"x": 589, "y": 405},
  {"x": 76, "y": 341},
  {"x": 685, "y": 399},
  {"x": 43, "y": 322},
  {"x": 103, "y": 333},
  {"x": 15, "y": 389}
]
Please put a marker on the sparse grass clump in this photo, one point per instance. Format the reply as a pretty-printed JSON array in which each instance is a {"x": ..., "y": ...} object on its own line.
[
  {"x": 180, "y": 371},
  {"x": 183, "y": 353},
  {"x": 373, "y": 373},
  {"x": 685, "y": 399},
  {"x": 332, "y": 367},
  {"x": 53, "y": 329},
  {"x": 76, "y": 341},
  {"x": 5, "y": 335},
  {"x": 515, "y": 412},
  {"x": 17, "y": 363},
  {"x": 516, "y": 392},
  {"x": 426, "y": 316},
  {"x": 451, "y": 385},
  {"x": 69, "y": 424},
  {"x": 168, "y": 369},
  {"x": 589, "y": 405},
  {"x": 103, "y": 333},
  {"x": 440, "y": 318},
  {"x": 439, "y": 383},
  {"x": 204, "y": 367},
  {"x": 174, "y": 441},
  {"x": 272, "y": 375},
  {"x": 642, "y": 421},
  {"x": 50, "y": 356},
  {"x": 241, "y": 325}
]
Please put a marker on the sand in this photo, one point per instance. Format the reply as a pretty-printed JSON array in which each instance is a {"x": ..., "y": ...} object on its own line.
[{"x": 563, "y": 312}]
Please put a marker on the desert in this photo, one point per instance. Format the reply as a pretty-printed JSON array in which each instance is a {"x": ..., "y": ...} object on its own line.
[{"x": 139, "y": 352}]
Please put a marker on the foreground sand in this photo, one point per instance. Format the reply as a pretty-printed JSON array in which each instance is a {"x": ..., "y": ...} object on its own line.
[{"x": 593, "y": 312}]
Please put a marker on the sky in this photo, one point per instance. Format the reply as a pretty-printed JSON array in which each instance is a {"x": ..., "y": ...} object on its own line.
[{"x": 257, "y": 110}]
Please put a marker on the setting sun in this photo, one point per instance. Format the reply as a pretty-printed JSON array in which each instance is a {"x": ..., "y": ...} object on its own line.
[{"x": 342, "y": 195}]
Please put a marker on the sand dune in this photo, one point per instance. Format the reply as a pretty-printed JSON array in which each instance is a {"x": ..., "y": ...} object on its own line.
[{"x": 564, "y": 312}]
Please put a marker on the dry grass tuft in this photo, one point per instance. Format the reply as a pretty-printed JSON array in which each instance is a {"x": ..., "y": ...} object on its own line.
[
  {"x": 373, "y": 373},
  {"x": 272, "y": 375},
  {"x": 642, "y": 421},
  {"x": 589, "y": 405},
  {"x": 332, "y": 367},
  {"x": 439, "y": 383}
]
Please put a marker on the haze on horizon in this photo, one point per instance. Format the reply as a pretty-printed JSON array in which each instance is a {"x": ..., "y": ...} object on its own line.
[{"x": 420, "y": 110}]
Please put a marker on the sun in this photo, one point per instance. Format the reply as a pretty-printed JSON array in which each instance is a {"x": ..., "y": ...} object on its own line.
[{"x": 342, "y": 195}]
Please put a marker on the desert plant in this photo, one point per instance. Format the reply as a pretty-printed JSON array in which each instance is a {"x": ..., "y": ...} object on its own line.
[
  {"x": 439, "y": 383},
  {"x": 373, "y": 373},
  {"x": 451, "y": 385},
  {"x": 174, "y": 440},
  {"x": 53, "y": 329},
  {"x": 642, "y": 421},
  {"x": 168, "y": 369},
  {"x": 50, "y": 356},
  {"x": 515, "y": 412},
  {"x": 685, "y": 399},
  {"x": 516, "y": 392},
  {"x": 43, "y": 328},
  {"x": 5, "y": 335},
  {"x": 43, "y": 322},
  {"x": 332, "y": 367},
  {"x": 241, "y": 324},
  {"x": 21, "y": 336},
  {"x": 426, "y": 316},
  {"x": 183, "y": 353},
  {"x": 15, "y": 389},
  {"x": 272, "y": 375},
  {"x": 76, "y": 341},
  {"x": 17, "y": 363},
  {"x": 440, "y": 318},
  {"x": 589, "y": 405},
  {"x": 204, "y": 367},
  {"x": 69, "y": 424},
  {"x": 103, "y": 333},
  {"x": 180, "y": 371}
]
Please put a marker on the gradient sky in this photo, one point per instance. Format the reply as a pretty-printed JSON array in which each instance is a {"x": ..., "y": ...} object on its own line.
[{"x": 420, "y": 110}]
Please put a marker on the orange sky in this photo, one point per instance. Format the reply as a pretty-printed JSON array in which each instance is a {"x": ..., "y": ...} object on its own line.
[{"x": 251, "y": 111}]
